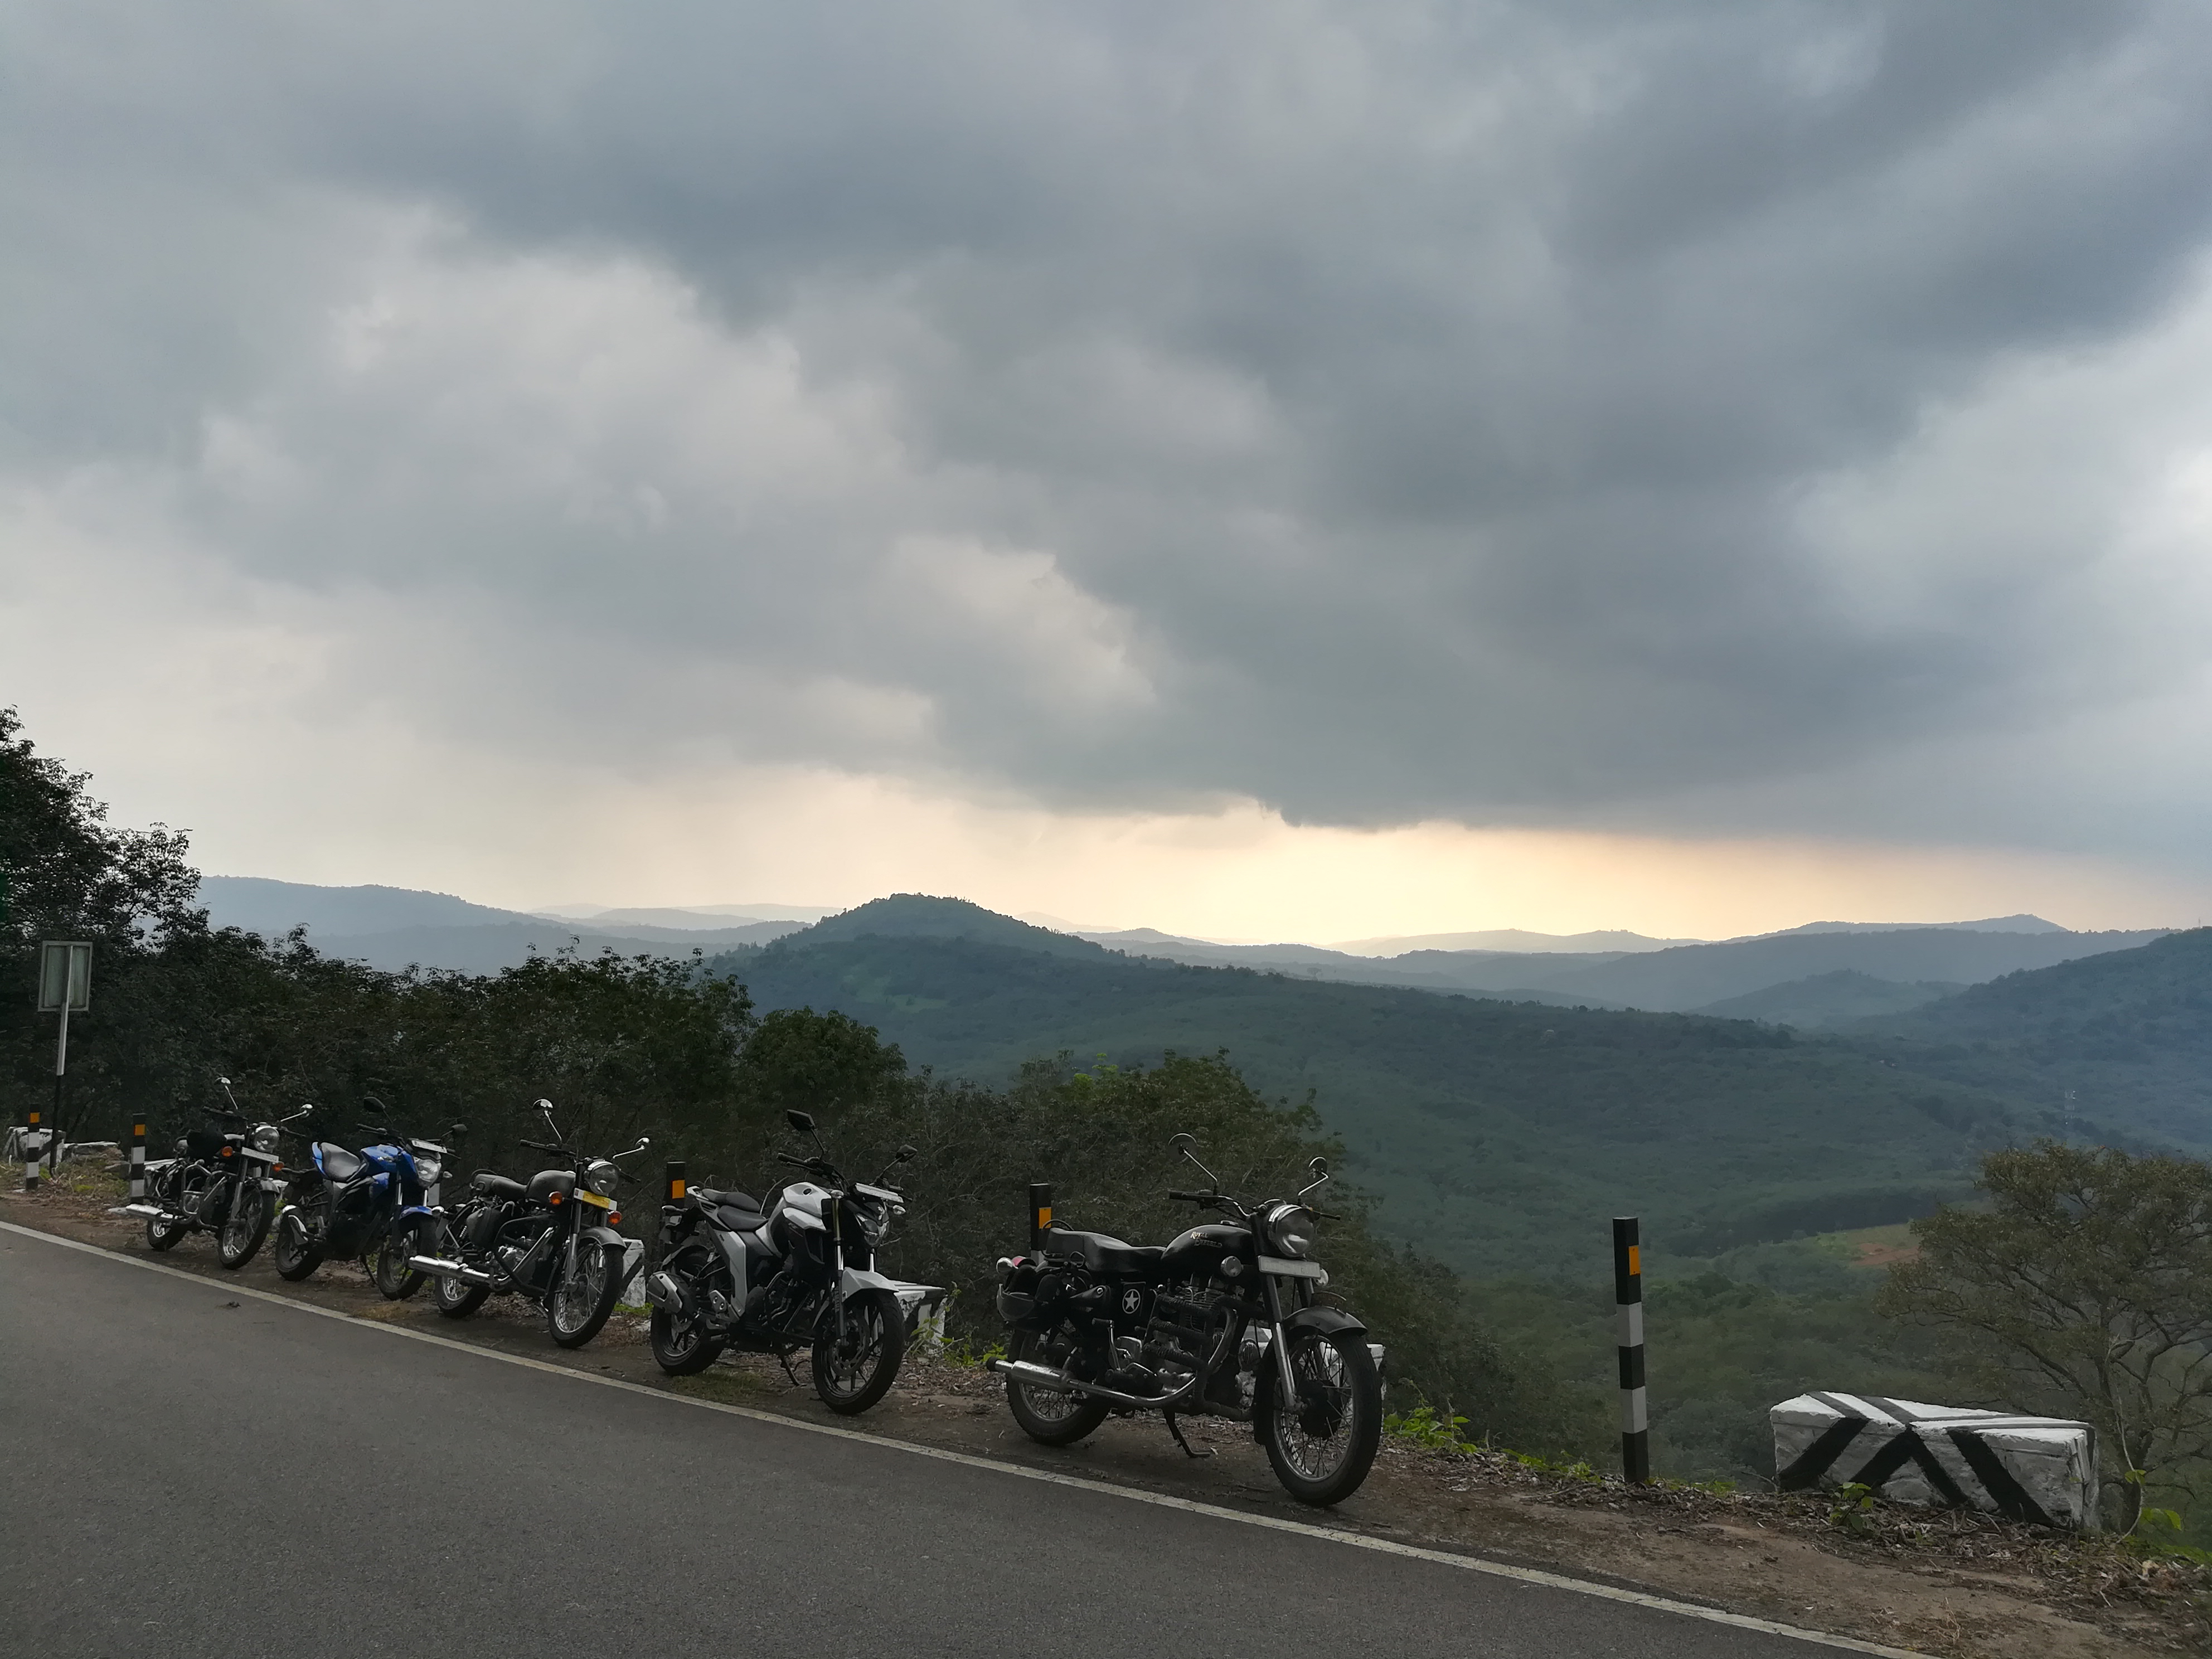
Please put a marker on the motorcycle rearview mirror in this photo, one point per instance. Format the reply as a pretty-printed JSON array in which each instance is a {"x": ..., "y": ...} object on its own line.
[
  {"x": 456, "y": 1132},
  {"x": 1187, "y": 1145},
  {"x": 1319, "y": 1167},
  {"x": 906, "y": 1153},
  {"x": 799, "y": 1120}
]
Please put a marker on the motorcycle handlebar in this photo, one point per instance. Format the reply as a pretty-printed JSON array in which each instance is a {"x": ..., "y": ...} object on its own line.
[
  {"x": 540, "y": 1146},
  {"x": 1193, "y": 1198}
]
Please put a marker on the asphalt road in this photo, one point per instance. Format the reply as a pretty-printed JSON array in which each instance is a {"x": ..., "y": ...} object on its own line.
[{"x": 192, "y": 1473}]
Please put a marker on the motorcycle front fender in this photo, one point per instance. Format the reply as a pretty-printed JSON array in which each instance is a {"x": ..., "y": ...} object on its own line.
[
  {"x": 604, "y": 1235},
  {"x": 1327, "y": 1320},
  {"x": 856, "y": 1280}
]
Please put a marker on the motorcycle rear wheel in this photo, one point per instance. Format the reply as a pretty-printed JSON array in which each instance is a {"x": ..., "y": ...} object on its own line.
[
  {"x": 579, "y": 1303},
  {"x": 683, "y": 1349},
  {"x": 295, "y": 1254},
  {"x": 245, "y": 1227},
  {"x": 456, "y": 1297},
  {"x": 853, "y": 1374},
  {"x": 1049, "y": 1418},
  {"x": 163, "y": 1232},
  {"x": 1322, "y": 1446}
]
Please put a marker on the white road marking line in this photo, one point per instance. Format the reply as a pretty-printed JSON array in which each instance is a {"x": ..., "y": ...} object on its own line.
[{"x": 1162, "y": 1500}]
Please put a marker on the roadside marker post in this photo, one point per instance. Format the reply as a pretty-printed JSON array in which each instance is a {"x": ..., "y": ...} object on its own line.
[
  {"x": 34, "y": 1148},
  {"x": 1628, "y": 1301},
  {"x": 1040, "y": 1215},
  {"x": 137, "y": 1162},
  {"x": 675, "y": 1186}
]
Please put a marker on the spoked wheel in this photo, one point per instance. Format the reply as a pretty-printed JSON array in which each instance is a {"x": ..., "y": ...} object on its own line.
[
  {"x": 852, "y": 1373},
  {"x": 163, "y": 1232},
  {"x": 456, "y": 1297},
  {"x": 388, "y": 1264},
  {"x": 681, "y": 1347},
  {"x": 296, "y": 1254},
  {"x": 245, "y": 1227},
  {"x": 1322, "y": 1444},
  {"x": 1044, "y": 1414},
  {"x": 584, "y": 1295}
]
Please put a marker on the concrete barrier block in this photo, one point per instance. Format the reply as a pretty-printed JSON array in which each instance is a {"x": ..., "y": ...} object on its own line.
[{"x": 2038, "y": 1469}]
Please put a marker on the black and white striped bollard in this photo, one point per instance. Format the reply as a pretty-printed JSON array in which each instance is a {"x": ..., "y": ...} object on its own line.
[
  {"x": 1040, "y": 1215},
  {"x": 1628, "y": 1298},
  {"x": 137, "y": 1164},
  {"x": 672, "y": 1192},
  {"x": 32, "y": 1139}
]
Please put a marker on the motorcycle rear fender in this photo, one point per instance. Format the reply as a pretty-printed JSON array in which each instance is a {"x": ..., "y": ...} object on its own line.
[
  {"x": 155, "y": 1166},
  {"x": 857, "y": 1280},
  {"x": 1327, "y": 1320},
  {"x": 417, "y": 1209}
]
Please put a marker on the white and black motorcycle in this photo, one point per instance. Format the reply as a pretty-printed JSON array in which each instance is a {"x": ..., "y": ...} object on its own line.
[
  {"x": 796, "y": 1273},
  {"x": 222, "y": 1181}
]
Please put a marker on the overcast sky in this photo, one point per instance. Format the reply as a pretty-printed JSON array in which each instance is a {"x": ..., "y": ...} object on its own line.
[{"x": 1260, "y": 469}]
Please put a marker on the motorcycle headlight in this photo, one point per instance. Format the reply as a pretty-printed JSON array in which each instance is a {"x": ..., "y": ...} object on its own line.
[
  {"x": 600, "y": 1176},
  {"x": 264, "y": 1137},
  {"x": 1289, "y": 1231},
  {"x": 428, "y": 1169}
]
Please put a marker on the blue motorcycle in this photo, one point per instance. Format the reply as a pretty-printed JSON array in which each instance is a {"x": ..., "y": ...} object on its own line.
[{"x": 368, "y": 1204}]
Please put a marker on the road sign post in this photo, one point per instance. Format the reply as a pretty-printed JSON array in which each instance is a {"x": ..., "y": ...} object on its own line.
[{"x": 64, "y": 987}]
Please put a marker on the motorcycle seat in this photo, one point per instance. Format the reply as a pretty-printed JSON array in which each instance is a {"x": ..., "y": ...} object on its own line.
[
  {"x": 498, "y": 1186},
  {"x": 729, "y": 1195},
  {"x": 339, "y": 1165},
  {"x": 743, "y": 1221},
  {"x": 1102, "y": 1253}
]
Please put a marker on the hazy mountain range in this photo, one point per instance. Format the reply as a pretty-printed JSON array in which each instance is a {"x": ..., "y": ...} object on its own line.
[{"x": 1812, "y": 977}]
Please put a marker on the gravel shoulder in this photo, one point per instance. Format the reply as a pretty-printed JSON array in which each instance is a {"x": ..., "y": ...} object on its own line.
[{"x": 1956, "y": 1586}]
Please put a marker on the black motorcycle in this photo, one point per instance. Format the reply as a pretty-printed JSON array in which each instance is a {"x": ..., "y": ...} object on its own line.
[
  {"x": 553, "y": 1240},
  {"x": 222, "y": 1181},
  {"x": 366, "y": 1205},
  {"x": 797, "y": 1272},
  {"x": 1221, "y": 1322}
]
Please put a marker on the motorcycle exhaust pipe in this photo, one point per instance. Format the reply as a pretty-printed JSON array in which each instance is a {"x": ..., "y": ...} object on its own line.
[
  {"x": 151, "y": 1211},
  {"x": 662, "y": 1290},
  {"x": 442, "y": 1268},
  {"x": 1038, "y": 1376}
]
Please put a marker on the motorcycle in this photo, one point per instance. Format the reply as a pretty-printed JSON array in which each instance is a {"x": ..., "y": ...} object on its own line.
[
  {"x": 796, "y": 1273},
  {"x": 553, "y": 1240},
  {"x": 368, "y": 1204},
  {"x": 223, "y": 1182},
  {"x": 1221, "y": 1322}
]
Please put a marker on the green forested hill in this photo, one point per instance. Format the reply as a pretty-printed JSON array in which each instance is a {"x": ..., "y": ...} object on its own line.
[
  {"x": 2129, "y": 1034},
  {"x": 1503, "y": 1136}
]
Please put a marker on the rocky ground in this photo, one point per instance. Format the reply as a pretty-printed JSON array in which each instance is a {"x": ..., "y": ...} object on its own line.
[{"x": 1948, "y": 1585}]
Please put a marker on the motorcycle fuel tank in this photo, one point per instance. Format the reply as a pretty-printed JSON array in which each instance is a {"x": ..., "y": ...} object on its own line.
[{"x": 1201, "y": 1249}]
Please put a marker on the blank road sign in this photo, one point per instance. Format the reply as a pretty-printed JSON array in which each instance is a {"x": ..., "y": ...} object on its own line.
[{"x": 64, "y": 963}]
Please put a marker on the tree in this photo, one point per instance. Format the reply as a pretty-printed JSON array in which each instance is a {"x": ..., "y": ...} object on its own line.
[{"x": 2085, "y": 1288}]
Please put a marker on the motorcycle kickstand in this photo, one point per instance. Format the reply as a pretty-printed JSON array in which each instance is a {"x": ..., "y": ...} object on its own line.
[
  {"x": 1176, "y": 1429},
  {"x": 784, "y": 1360}
]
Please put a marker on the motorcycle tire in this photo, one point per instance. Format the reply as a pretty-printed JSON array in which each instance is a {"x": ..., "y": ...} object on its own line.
[
  {"x": 1048, "y": 1418},
  {"x": 1322, "y": 1446},
  {"x": 295, "y": 1254},
  {"x": 577, "y": 1304},
  {"x": 163, "y": 1232},
  {"x": 456, "y": 1298},
  {"x": 685, "y": 1350},
  {"x": 245, "y": 1227},
  {"x": 388, "y": 1265},
  {"x": 853, "y": 1375}
]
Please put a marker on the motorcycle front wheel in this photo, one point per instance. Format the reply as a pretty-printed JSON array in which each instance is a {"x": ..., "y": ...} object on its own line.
[
  {"x": 1322, "y": 1444},
  {"x": 296, "y": 1254},
  {"x": 853, "y": 1372},
  {"x": 1049, "y": 1417},
  {"x": 388, "y": 1266},
  {"x": 583, "y": 1297},
  {"x": 245, "y": 1227}
]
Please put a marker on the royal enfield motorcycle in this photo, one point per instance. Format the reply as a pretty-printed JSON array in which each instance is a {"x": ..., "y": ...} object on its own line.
[
  {"x": 552, "y": 1240},
  {"x": 222, "y": 1181},
  {"x": 797, "y": 1272},
  {"x": 1220, "y": 1322},
  {"x": 366, "y": 1205}
]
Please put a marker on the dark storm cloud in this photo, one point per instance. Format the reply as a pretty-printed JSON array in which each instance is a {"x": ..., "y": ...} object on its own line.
[{"x": 1625, "y": 413}]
